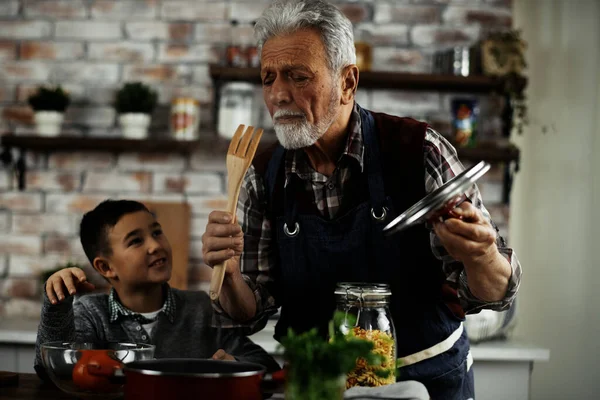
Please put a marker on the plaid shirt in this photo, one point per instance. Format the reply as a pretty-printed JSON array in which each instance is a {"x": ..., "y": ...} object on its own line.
[
  {"x": 118, "y": 310},
  {"x": 441, "y": 164}
]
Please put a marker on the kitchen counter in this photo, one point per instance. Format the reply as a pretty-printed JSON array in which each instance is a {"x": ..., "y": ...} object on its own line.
[{"x": 502, "y": 367}]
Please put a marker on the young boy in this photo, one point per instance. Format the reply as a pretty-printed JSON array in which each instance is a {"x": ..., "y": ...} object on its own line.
[{"x": 126, "y": 245}]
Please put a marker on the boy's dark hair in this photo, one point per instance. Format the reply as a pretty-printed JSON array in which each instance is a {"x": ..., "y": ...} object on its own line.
[{"x": 93, "y": 230}]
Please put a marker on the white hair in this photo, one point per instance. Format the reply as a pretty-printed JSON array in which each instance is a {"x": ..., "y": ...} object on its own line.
[{"x": 283, "y": 17}]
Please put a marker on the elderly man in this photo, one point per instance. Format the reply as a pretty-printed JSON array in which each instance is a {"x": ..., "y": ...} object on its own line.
[{"x": 312, "y": 209}]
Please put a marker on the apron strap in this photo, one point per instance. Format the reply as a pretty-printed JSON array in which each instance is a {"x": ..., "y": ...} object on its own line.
[
  {"x": 373, "y": 166},
  {"x": 434, "y": 350}
]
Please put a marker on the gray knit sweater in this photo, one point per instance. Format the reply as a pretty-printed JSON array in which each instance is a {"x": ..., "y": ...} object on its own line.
[{"x": 87, "y": 319}]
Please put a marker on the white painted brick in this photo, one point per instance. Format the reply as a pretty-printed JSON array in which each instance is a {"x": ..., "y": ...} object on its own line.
[
  {"x": 167, "y": 93},
  {"x": 72, "y": 202},
  {"x": 147, "y": 30},
  {"x": 8, "y": 50},
  {"x": 6, "y": 179},
  {"x": 158, "y": 198},
  {"x": 186, "y": 53},
  {"x": 117, "y": 182},
  {"x": 384, "y": 35},
  {"x": 7, "y": 93},
  {"x": 196, "y": 183},
  {"x": 20, "y": 244},
  {"x": 55, "y": 9},
  {"x": 405, "y": 13},
  {"x": 81, "y": 161},
  {"x": 65, "y": 181},
  {"x": 206, "y": 161},
  {"x": 80, "y": 72},
  {"x": 198, "y": 226},
  {"x": 100, "y": 117},
  {"x": 196, "y": 249},
  {"x": 25, "y": 29},
  {"x": 21, "y": 201},
  {"x": 102, "y": 95},
  {"x": 404, "y": 103},
  {"x": 88, "y": 30},
  {"x": 434, "y": 35},
  {"x": 23, "y": 308},
  {"x": 201, "y": 74},
  {"x": 192, "y": 10},
  {"x": 121, "y": 51},
  {"x": 18, "y": 71},
  {"x": 34, "y": 265},
  {"x": 124, "y": 9},
  {"x": 400, "y": 60},
  {"x": 38, "y": 224},
  {"x": 151, "y": 162},
  {"x": 245, "y": 12},
  {"x": 363, "y": 97},
  {"x": 157, "y": 73},
  {"x": 486, "y": 16},
  {"x": 5, "y": 222},
  {"x": 9, "y": 8},
  {"x": 491, "y": 192},
  {"x": 44, "y": 50},
  {"x": 204, "y": 205},
  {"x": 213, "y": 32}
]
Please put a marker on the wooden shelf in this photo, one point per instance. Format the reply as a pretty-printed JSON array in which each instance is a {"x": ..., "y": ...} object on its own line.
[
  {"x": 487, "y": 151},
  {"x": 383, "y": 80}
]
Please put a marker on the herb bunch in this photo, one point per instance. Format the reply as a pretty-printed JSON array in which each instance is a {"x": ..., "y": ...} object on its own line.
[{"x": 312, "y": 360}]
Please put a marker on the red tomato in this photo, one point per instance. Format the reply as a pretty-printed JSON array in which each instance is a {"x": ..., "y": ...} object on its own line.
[{"x": 94, "y": 369}]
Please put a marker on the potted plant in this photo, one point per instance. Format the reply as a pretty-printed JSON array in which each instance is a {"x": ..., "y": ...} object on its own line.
[
  {"x": 503, "y": 56},
  {"x": 134, "y": 103},
  {"x": 49, "y": 105}
]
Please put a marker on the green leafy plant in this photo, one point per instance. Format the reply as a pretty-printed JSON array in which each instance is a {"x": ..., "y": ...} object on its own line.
[
  {"x": 47, "y": 98},
  {"x": 135, "y": 97},
  {"x": 507, "y": 51},
  {"x": 317, "y": 367}
]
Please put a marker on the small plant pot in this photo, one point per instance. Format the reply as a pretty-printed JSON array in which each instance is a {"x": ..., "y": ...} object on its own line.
[
  {"x": 134, "y": 125},
  {"x": 48, "y": 123}
]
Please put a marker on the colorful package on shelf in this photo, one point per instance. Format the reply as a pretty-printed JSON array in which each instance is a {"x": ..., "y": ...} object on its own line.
[{"x": 464, "y": 121}]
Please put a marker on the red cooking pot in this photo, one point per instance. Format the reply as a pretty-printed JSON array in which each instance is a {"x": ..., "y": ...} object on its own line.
[{"x": 179, "y": 378}]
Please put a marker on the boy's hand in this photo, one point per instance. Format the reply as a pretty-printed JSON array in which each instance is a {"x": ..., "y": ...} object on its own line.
[
  {"x": 222, "y": 355},
  {"x": 67, "y": 282}
]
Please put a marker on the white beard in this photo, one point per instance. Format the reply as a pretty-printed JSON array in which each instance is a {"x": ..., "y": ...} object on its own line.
[{"x": 302, "y": 134}]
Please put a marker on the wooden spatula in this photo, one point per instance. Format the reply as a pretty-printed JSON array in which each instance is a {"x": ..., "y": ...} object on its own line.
[{"x": 239, "y": 157}]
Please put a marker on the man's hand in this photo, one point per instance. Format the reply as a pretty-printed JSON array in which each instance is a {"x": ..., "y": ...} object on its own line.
[
  {"x": 468, "y": 237},
  {"x": 223, "y": 241},
  {"x": 67, "y": 282},
  {"x": 222, "y": 355}
]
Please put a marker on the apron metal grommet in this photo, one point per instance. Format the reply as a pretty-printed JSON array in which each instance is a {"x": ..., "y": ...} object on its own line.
[
  {"x": 380, "y": 217},
  {"x": 292, "y": 233}
]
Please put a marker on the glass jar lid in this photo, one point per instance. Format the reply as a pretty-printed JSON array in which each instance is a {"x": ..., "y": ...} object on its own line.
[{"x": 352, "y": 292}]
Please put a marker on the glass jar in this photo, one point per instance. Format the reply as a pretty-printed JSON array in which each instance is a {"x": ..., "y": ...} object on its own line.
[
  {"x": 185, "y": 118},
  {"x": 368, "y": 304}
]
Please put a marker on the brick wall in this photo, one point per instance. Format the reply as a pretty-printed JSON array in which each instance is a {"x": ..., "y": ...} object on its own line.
[{"x": 93, "y": 46}]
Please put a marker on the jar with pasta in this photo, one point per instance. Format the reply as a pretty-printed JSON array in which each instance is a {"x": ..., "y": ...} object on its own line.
[{"x": 366, "y": 306}]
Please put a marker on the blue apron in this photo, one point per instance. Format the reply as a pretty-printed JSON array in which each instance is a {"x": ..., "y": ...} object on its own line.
[{"x": 316, "y": 253}]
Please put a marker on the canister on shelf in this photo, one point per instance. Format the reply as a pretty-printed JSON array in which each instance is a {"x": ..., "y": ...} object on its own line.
[{"x": 185, "y": 118}]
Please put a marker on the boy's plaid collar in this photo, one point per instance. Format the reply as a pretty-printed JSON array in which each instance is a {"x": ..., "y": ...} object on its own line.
[{"x": 118, "y": 310}]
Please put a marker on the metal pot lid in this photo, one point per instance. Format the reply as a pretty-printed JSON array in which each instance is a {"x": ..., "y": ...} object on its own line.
[{"x": 446, "y": 196}]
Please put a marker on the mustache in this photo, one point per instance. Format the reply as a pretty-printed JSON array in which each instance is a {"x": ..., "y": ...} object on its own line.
[{"x": 287, "y": 113}]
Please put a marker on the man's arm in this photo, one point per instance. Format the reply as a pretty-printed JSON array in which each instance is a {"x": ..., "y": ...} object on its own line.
[
  {"x": 245, "y": 300},
  {"x": 476, "y": 259}
]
